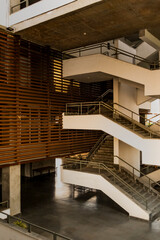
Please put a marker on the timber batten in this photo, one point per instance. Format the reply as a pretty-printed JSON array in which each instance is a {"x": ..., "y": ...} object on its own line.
[{"x": 33, "y": 95}]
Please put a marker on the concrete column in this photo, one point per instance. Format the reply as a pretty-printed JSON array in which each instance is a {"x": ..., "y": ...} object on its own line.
[{"x": 11, "y": 188}]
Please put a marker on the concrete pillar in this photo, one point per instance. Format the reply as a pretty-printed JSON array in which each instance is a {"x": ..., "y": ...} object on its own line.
[{"x": 11, "y": 188}]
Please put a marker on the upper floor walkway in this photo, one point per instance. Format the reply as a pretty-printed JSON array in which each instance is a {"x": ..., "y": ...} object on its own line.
[
  {"x": 23, "y": 14},
  {"x": 90, "y": 64}
]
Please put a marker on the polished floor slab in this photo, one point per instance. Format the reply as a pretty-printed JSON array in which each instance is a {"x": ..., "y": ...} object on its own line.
[{"x": 49, "y": 203}]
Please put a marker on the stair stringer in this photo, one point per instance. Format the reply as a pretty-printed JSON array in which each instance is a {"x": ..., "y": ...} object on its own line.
[
  {"x": 96, "y": 181},
  {"x": 149, "y": 146}
]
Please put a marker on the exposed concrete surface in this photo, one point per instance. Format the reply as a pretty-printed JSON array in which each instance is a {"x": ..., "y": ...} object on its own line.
[
  {"x": 103, "y": 21},
  {"x": 52, "y": 206},
  {"x": 11, "y": 188}
]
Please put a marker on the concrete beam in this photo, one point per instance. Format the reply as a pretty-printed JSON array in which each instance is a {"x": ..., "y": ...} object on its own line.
[{"x": 149, "y": 38}]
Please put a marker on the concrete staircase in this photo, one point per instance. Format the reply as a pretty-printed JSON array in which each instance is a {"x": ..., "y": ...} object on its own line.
[
  {"x": 126, "y": 121},
  {"x": 104, "y": 153},
  {"x": 150, "y": 196},
  {"x": 123, "y": 184}
]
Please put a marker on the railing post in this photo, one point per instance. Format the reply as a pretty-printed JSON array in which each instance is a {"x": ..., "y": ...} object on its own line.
[
  {"x": 149, "y": 184},
  {"x": 116, "y": 54},
  {"x": 54, "y": 237},
  {"x": 66, "y": 108},
  {"x": 99, "y": 108},
  {"x": 101, "y": 49},
  {"x": 29, "y": 228},
  {"x": 8, "y": 218},
  {"x": 99, "y": 169},
  {"x": 132, "y": 115},
  {"x": 81, "y": 108},
  {"x": 79, "y": 53},
  {"x": 134, "y": 60}
]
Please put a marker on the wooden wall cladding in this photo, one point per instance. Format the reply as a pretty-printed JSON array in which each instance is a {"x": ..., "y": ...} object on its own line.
[{"x": 33, "y": 95}]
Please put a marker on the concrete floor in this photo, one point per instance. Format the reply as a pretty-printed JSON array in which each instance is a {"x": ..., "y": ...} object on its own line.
[{"x": 49, "y": 203}]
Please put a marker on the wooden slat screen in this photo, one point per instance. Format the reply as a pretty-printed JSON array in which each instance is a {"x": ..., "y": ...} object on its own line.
[{"x": 33, "y": 95}]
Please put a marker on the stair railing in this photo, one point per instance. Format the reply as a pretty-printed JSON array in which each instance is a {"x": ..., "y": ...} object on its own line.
[
  {"x": 134, "y": 114},
  {"x": 104, "y": 94},
  {"x": 148, "y": 182},
  {"x": 105, "y": 49},
  {"x": 154, "y": 122},
  {"x": 96, "y": 146},
  {"x": 81, "y": 165},
  {"x": 82, "y": 108},
  {"x": 5, "y": 203},
  {"x": 30, "y": 227}
]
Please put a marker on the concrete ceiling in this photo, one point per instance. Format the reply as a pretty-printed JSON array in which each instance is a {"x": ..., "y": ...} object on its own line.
[
  {"x": 91, "y": 77},
  {"x": 107, "y": 20}
]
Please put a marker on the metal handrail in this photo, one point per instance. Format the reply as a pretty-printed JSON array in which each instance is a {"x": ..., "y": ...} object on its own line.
[
  {"x": 134, "y": 113},
  {"x": 5, "y": 202},
  {"x": 150, "y": 181},
  {"x": 108, "y": 46},
  {"x": 30, "y": 225},
  {"x": 96, "y": 146},
  {"x": 104, "y": 94},
  {"x": 19, "y": 4},
  {"x": 155, "y": 116},
  {"x": 81, "y": 105},
  {"x": 101, "y": 166}
]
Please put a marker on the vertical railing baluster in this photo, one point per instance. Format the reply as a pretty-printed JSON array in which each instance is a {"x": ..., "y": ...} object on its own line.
[
  {"x": 54, "y": 237},
  {"x": 149, "y": 184},
  {"x": 29, "y": 228},
  {"x": 101, "y": 49}
]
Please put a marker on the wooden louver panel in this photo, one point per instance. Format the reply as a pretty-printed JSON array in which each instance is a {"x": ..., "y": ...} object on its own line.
[{"x": 33, "y": 95}]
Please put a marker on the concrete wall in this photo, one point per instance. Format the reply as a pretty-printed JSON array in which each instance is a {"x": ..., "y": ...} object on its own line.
[
  {"x": 4, "y": 12},
  {"x": 144, "y": 50},
  {"x": 155, "y": 176},
  {"x": 127, "y": 98},
  {"x": 123, "y": 46},
  {"x": 100, "y": 183},
  {"x": 8, "y": 232},
  {"x": 130, "y": 155}
]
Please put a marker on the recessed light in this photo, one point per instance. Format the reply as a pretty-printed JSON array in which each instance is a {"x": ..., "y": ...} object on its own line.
[{"x": 84, "y": 33}]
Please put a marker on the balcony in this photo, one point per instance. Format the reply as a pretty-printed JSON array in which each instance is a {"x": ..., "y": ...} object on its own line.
[
  {"x": 22, "y": 10},
  {"x": 17, "y": 6}
]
